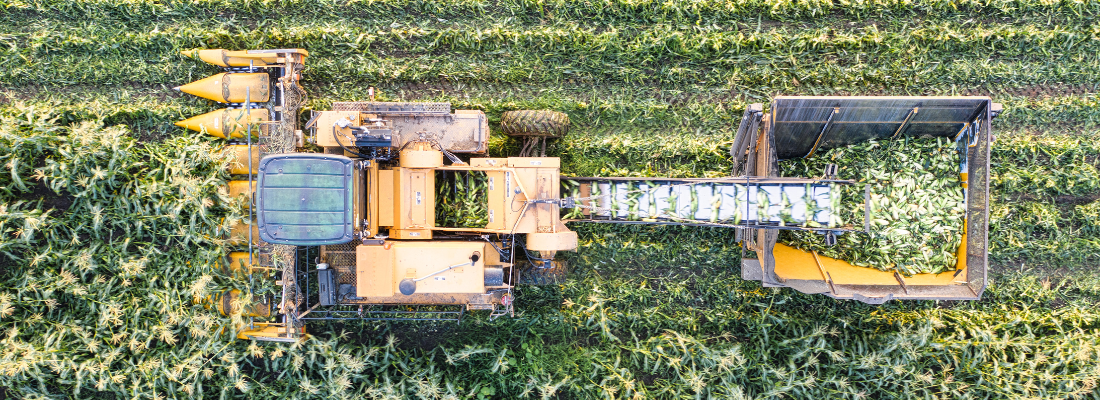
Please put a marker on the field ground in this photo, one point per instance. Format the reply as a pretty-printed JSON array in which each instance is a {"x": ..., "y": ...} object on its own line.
[{"x": 110, "y": 216}]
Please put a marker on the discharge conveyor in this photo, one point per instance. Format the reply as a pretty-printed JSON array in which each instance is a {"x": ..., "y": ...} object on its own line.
[{"x": 763, "y": 203}]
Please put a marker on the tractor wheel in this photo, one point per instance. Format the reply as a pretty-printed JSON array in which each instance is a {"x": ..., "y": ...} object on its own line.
[
  {"x": 529, "y": 275},
  {"x": 534, "y": 123}
]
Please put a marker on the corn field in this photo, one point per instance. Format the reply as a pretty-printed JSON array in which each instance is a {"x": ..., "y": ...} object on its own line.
[{"x": 112, "y": 220}]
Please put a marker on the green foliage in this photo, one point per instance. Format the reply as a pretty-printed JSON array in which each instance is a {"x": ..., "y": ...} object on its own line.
[
  {"x": 462, "y": 200},
  {"x": 99, "y": 264},
  {"x": 99, "y": 293},
  {"x": 945, "y": 52},
  {"x": 1048, "y": 165}
]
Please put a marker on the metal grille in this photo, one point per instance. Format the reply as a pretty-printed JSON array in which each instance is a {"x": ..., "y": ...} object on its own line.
[
  {"x": 388, "y": 108},
  {"x": 279, "y": 135},
  {"x": 341, "y": 257},
  {"x": 737, "y": 202}
]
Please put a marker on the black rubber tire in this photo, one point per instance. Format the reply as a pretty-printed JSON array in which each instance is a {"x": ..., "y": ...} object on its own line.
[
  {"x": 529, "y": 275},
  {"x": 534, "y": 123}
]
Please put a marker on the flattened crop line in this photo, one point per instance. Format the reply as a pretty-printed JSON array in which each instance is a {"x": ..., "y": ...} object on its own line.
[
  {"x": 136, "y": 13},
  {"x": 623, "y": 140},
  {"x": 622, "y": 136},
  {"x": 1051, "y": 114}
]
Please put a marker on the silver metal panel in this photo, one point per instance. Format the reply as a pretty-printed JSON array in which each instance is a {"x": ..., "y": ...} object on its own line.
[
  {"x": 799, "y": 121},
  {"x": 393, "y": 108},
  {"x": 460, "y": 132}
]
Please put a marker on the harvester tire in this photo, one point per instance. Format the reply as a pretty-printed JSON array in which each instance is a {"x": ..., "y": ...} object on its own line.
[
  {"x": 529, "y": 275},
  {"x": 534, "y": 123}
]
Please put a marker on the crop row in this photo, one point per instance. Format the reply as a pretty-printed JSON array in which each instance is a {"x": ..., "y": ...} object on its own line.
[
  {"x": 1045, "y": 233},
  {"x": 646, "y": 46},
  {"x": 773, "y": 59},
  {"x": 1023, "y": 165},
  {"x": 609, "y": 108},
  {"x": 616, "y": 136},
  {"x": 1046, "y": 166},
  {"x": 138, "y": 13}
]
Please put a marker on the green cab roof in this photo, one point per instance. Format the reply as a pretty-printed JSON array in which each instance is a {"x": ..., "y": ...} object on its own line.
[{"x": 305, "y": 199}]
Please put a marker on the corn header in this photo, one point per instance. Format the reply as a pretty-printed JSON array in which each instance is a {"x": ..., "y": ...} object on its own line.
[{"x": 370, "y": 228}]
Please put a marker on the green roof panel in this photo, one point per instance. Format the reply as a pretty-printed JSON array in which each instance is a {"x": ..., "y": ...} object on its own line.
[{"x": 305, "y": 199}]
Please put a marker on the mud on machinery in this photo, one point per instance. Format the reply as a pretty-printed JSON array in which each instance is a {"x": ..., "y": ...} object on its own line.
[{"x": 368, "y": 202}]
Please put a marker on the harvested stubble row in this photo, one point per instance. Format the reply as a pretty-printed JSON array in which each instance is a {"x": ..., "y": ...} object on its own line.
[{"x": 917, "y": 208}]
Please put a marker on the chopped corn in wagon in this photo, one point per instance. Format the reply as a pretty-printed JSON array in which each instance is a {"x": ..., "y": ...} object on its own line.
[{"x": 917, "y": 208}]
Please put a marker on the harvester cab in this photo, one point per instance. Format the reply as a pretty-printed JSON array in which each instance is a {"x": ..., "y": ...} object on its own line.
[{"x": 372, "y": 226}]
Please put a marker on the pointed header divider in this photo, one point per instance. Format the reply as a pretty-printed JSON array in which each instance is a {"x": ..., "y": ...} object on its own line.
[
  {"x": 231, "y": 87},
  {"x": 227, "y": 123},
  {"x": 227, "y": 59}
]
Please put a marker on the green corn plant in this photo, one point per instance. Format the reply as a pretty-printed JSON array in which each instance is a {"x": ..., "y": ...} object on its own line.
[{"x": 463, "y": 203}]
